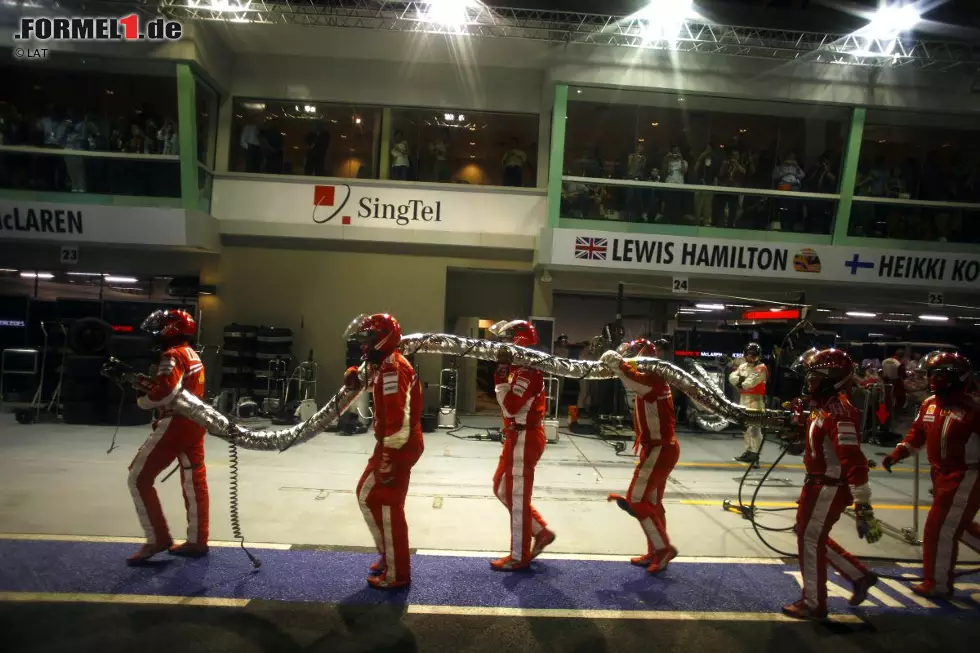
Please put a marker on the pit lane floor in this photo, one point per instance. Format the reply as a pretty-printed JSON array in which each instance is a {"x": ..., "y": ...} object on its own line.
[
  {"x": 69, "y": 523},
  {"x": 61, "y": 594},
  {"x": 58, "y": 479}
]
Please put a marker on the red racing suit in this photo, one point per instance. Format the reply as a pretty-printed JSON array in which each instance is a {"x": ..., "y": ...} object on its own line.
[
  {"x": 521, "y": 395},
  {"x": 173, "y": 438},
  {"x": 383, "y": 487},
  {"x": 653, "y": 422},
  {"x": 836, "y": 476},
  {"x": 949, "y": 429}
]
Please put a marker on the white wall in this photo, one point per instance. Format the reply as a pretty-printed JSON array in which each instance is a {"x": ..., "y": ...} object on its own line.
[
  {"x": 762, "y": 79},
  {"x": 388, "y": 83}
]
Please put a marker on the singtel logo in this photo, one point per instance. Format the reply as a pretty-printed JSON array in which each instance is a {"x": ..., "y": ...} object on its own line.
[{"x": 329, "y": 202}]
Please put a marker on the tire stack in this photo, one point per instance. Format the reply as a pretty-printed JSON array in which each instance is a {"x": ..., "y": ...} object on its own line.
[
  {"x": 270, "y": 343},
  {"x": 121, "y": 409},
  {"x": 238, "y": 360},
  {"x": 83, "y": 388}
]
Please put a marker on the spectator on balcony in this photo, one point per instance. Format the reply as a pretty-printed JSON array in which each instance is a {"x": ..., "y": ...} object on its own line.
[
  {"x": 514, "y": 160},
  {"x": 706, "y": 170},
  {"x": 439, "y": 150},
  {"x": 81, "y": 133},
  {"x": 317, "y": 144},
  {"x": 820, "y": 179},
  {"x": 272, "y": 147},
  {"x": 787, "y": 175},
  {"x": 167, "y": 137},
  {"x": 252, "y": 146},
  {"x": 895, "y": 186},
  {"x": 636, "y": 165},
  {"x": 674, "y": 169},
  {"x": 400, "y": 163},
  {"x": 733, "y": 174},
  {"x": 53, "y": 130}
]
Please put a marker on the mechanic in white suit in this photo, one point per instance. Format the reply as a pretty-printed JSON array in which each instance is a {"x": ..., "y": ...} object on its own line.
[{"x": 750, "y": 379}]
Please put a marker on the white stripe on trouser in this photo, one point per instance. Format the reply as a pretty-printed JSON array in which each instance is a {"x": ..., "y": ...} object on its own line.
[
  {"x": 643, "y": 476},
  {"x": 134, "y": 473},
  {"x": 971, "y": 541},
  {"x": 517, "y": 500},
  {"x": 366, "y": 511},
  {"x": 753, "y": 439},
  {"x": 944, "y": 548},
  {"x": 390, "y": 556},
  {"x": 651, "y": 531},
  {"x": 188, "y": 479},
  {"x": 843, "y": 565},
  {"x": 811, "y": 539}
]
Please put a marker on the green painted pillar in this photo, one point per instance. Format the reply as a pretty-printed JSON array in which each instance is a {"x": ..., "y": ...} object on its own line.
[
  {"x": 187, "y": 136},
  {"x": 848, "y": 174},
  {"x": 556, "y": 167},
  {"x": 385, "y": 168}
]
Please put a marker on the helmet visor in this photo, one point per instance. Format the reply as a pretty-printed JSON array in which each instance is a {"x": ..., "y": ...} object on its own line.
[
  {"x": 358, "y": 329},
  {"x": 154, "y": 323}
]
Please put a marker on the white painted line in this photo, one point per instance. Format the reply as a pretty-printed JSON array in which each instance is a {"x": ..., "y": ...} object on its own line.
[
  {"x": 597, "y": 557},
  {"x": 105, "y": 539},
  {"x": 656, "y": 615},
  {"x": 129, "y": 599}
]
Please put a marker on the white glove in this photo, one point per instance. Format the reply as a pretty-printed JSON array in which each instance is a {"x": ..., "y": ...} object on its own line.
[{"x": 611, "y": 360}]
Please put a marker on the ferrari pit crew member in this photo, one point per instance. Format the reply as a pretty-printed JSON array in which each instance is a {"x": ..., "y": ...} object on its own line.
[
  {"x": 173, "y": 438},
  {"x": 750, "y": 378},
  {"x": 653, "y": 422},
  {"x": 836, "y": 476},
  {"x": 383, "y": 487},
  {"x": 521, "y": 395},
  {"x": 948, "y": 426}
]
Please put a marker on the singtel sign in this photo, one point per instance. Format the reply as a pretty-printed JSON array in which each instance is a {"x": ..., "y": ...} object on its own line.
[{"x": 329, "y": 202}]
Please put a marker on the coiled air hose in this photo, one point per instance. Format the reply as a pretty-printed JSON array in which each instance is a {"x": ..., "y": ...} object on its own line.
[
  {"x": 236, "y": 526},
  {"x": 749, "y": 512}
]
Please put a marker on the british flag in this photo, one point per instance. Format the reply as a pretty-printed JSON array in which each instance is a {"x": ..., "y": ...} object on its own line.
[{"x": 591, "y": 249}]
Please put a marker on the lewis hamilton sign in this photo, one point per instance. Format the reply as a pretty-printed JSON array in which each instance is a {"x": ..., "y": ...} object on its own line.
[{"x": 707, "y": 256}]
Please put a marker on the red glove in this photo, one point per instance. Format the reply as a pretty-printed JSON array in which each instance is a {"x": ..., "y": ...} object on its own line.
[
  {"x": 384, "y": 474},
  {"x": 351, "y": 379},
  {"x": 501, "y": 374}
]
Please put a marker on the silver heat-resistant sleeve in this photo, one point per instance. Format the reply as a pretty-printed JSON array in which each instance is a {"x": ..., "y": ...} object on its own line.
[
  {"x": 702, "y": 392},
  {"x": 219, "y": 425},
  {"x": 707, "y": 420}
]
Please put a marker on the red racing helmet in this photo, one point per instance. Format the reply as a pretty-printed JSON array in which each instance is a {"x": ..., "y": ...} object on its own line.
[
  {"x": 172, "y": 324},
  {"x": 642, "y": 347},
  {"x": 828, "y": 371},
  {"x": 518, "y": 332},
  {"x": 949, "y": 373},
  {"x": 378, "y": 335}
]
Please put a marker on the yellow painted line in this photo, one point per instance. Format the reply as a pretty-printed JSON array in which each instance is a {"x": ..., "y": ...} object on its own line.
[
  {"x": 105, "y": 539},
  {"x": 787, "y": 504},
  {"x": 765, "y": 465},
  {"x": 121, "y": 599},
  {"x": 646, "y": 615}
]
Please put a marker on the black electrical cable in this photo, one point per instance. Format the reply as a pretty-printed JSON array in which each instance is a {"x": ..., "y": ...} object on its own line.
[
  {"x": 748, "y": 512},
  {"x": 115, "y": 432},
  {"x": 236, "y": 526}
]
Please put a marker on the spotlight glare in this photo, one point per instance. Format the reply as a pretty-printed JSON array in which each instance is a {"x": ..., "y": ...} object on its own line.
[
  {"x": 860, "y": 314},
  {"x": 934, "y": 318}
]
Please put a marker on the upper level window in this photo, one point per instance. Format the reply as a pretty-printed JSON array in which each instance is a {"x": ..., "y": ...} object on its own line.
[
  {"x": 126, "y": 113},
  {"x": 918, "y": 178},
  {"x": 464, "y": 147},
  {"x": 679, "y": 140},
  {"x": 280, "y": 137}
]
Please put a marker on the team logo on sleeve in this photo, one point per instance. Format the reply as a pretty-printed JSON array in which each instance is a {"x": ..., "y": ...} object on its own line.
[
  {"x": 847, "y": 433},
  {"x": 520, "y": 387},
  {"x": 389, "y": 383}
]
